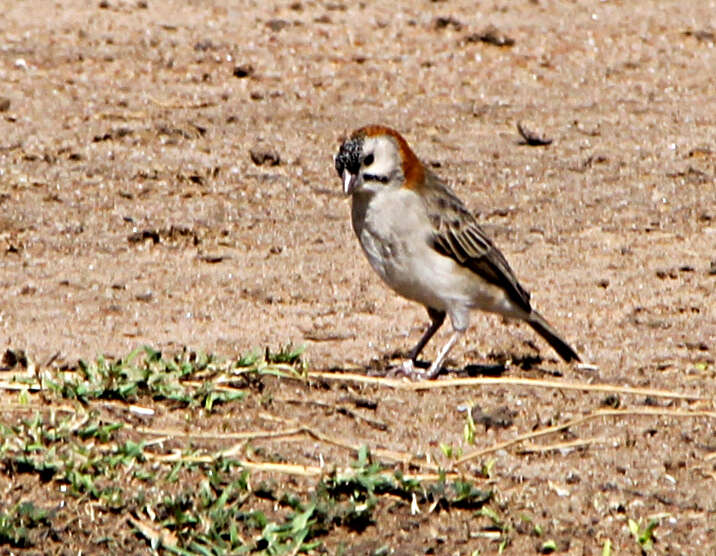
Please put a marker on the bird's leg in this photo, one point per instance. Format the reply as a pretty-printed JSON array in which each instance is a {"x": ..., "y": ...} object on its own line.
[
  {"x": 436, "y": 321},
  {"x": 408, "y": 367},
  {"x": 434, "y": 369}
]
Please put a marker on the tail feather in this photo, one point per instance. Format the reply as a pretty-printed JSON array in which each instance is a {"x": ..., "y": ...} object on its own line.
[{"x": 537, "y": 322}]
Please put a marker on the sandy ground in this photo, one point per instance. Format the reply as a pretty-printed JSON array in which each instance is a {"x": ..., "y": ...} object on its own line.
[{"x": 132, "y": 212}]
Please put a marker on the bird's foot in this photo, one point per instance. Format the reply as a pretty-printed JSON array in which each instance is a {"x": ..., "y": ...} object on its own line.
[
  {"x": 405, "y": 369},
  {"x": 408, "y": 369}
]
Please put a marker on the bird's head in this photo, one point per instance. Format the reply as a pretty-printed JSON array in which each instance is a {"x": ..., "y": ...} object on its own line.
[{"x": 377, "y": 157}]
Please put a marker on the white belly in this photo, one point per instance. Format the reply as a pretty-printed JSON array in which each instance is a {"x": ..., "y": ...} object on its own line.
[{"x": 395, "y": 233}]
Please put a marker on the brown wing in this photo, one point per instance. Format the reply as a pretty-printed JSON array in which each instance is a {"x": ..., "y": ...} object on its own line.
[{"x": 459, "y": 236}]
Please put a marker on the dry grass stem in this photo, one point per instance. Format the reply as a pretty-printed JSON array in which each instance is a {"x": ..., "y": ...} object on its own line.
[
  {"x": 539, "y": 449},
  {"x": 400, "y": 384},
  {"x": 342, "y": 409},
  {"x": 579, "y": 420}
]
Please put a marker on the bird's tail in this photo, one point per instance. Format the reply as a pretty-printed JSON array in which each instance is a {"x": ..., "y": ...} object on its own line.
[{"x": 537, "y": 322}]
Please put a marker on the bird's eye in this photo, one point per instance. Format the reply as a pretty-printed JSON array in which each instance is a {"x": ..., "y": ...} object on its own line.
[{"x": 368, "y": 160}]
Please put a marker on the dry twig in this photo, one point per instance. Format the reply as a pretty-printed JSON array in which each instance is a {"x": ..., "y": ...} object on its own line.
[{"x": 579, "y": 420}]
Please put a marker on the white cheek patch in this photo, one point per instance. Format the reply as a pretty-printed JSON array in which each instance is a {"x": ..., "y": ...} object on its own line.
[{"x": 385, "y": 156}]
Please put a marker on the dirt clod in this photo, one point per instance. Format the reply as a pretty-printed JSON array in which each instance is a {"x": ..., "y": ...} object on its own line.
[
  {"x": 532, "y": 138},
  {"x": 263, "y": 155},
  {"x": 703, "y": 35},
  {"x": 501, "y": 417},
  {"x": 243, "y": 70},
  {"x": 443, "y": 22},
  {"x": 277, "y": 24},
  {"x": 490, "y": 35}
]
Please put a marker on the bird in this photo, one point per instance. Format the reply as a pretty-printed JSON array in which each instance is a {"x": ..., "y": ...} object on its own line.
[{"x": 423, "y": 242}]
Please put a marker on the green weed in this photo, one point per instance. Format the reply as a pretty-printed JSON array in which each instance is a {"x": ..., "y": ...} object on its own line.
[{"x": 643, "y": 535}]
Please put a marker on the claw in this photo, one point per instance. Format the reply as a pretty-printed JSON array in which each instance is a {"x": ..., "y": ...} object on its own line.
[{"x": 406, "y": 369}]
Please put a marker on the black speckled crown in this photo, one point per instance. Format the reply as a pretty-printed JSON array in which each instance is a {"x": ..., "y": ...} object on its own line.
[{"x": 348, "y": 157}]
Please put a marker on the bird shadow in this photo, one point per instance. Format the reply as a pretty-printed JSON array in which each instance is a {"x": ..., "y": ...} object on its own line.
[
  {"x": 503, "y": 363},
  {"x": 483, "y": 369}
]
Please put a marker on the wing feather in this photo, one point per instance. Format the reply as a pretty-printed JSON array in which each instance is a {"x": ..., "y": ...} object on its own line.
[{"x": 460, "y": 237}]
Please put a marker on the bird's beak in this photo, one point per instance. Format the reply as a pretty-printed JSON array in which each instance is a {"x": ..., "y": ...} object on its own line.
[{"x": 349, "y": 182}]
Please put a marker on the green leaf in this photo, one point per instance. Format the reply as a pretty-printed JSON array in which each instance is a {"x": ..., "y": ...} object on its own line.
[{"x": 488, "y": 512}]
